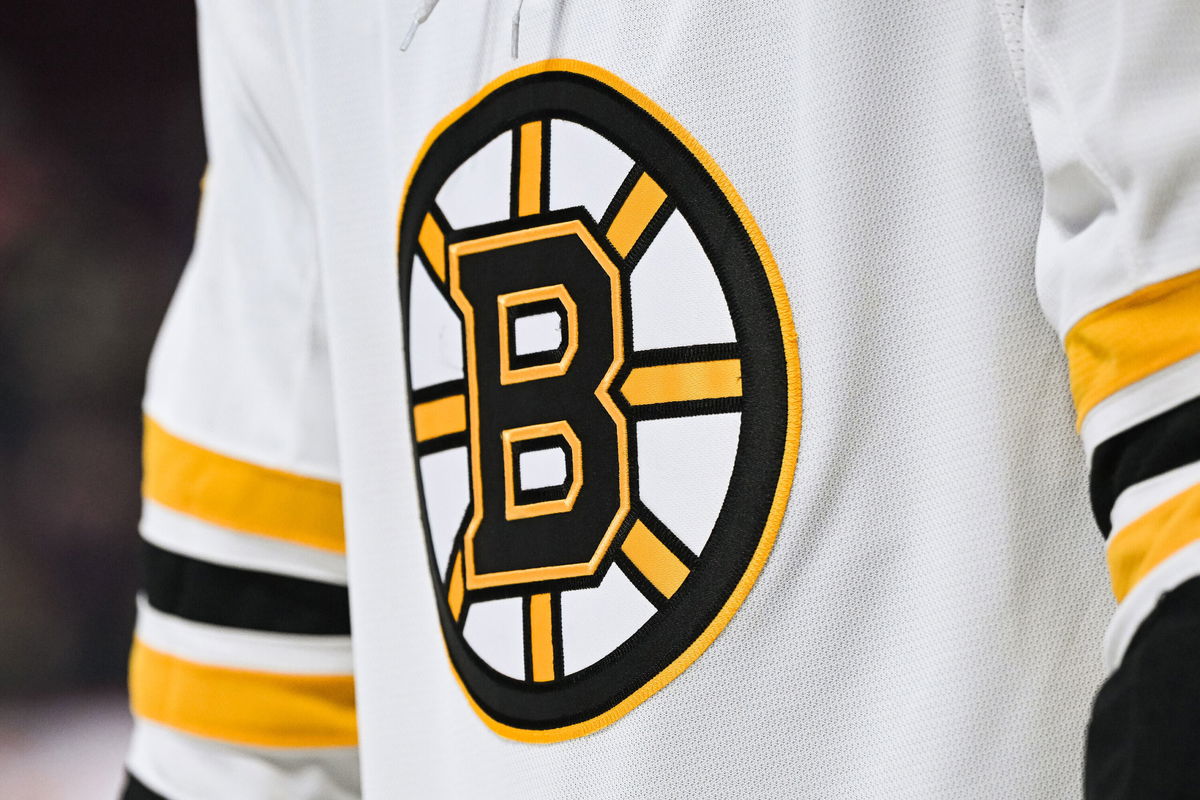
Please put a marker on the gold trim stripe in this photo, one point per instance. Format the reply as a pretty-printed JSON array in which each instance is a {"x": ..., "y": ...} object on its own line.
[
  {"x": 635, "y": 214},
  {"x": 236, "y": 494},
  {"x": 433, "y": 244},
  {"x": 541, "y": 637},
  {"x": 253, "y": 708},
  {"x": 1152, "y": 538},
  {"x": 1133, "y": 337},
  {"x": 440, "y": 417},
  {"x": 652, "y": 558},
  {"x": 529, "y": 172},
  {"x": 674, "y": 383}
]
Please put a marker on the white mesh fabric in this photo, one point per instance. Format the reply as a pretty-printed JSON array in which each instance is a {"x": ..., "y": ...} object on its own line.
[{"x": 929, "y": 623}]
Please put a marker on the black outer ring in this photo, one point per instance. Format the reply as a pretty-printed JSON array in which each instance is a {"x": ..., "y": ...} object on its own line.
[{"x": 740, "y": 525}]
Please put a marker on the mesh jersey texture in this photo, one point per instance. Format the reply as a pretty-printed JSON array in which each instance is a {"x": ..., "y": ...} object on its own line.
[{"x": 929, "y": 622}]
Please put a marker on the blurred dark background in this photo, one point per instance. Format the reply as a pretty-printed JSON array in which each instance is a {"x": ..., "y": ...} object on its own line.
[{"x": 101, "y": 153}]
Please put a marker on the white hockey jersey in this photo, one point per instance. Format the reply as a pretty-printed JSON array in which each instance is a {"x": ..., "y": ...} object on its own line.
[{"x": 671, "y": 396}]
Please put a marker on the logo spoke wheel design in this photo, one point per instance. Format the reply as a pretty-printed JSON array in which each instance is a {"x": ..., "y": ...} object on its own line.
[{"x": 604, "y": 391}]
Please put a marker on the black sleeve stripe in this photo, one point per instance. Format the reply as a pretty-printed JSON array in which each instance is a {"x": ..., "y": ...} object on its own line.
[
  {"x": 1142, "y": 739},
  {"x": 1158, "y": 445},
  {"x": 242, "y": 598},
  {"x": 136, "y": 790}
]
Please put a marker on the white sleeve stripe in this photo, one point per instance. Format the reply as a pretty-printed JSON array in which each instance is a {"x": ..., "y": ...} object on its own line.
[
  {"x": 233, "y": 448},
  {"x": 184, "y": 767},
  {"x": 237, "y": 648},
  {"x": 1142, "y": 498},
  {"x": 1140, "y": 401},
  {"x": 186, "y": 535},
  {"x": 1180, "y": 566}
]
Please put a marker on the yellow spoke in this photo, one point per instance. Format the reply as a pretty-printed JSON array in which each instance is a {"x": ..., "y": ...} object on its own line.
[
  {"x": 675, "y": 383},
  {"x": 433, "y": 244},
  {"x": 541, "y": 637},
  {"x": 454, "y": 595},
  {"x": 440, "y": 417},
  {"x": 635, "y": 214},
  {"x": 654, "y": 560},
  {"x": 529, "y": 169}
]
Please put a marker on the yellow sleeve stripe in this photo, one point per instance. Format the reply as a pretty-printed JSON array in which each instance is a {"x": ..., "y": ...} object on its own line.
[
  {"x": 674, "y": 383},
  {"x": 252, "y": 708},
  {"x": 1133, "y": 337},
  {"x": 1152, "y": 538},
  {"x": 238, "y": 495}
]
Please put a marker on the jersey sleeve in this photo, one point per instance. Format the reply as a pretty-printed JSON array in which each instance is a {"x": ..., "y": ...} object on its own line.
[
  {"x": 1114, "y": 95},
  {"x": 241, "y": 681}
]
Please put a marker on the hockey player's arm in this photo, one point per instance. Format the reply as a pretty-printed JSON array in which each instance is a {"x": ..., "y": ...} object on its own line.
[
  {"x": 241, "y": 680},
  {"x": 1114, "y": 95}
]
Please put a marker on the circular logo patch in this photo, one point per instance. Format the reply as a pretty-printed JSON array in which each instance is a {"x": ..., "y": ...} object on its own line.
[{"x": 604, "y": 391}]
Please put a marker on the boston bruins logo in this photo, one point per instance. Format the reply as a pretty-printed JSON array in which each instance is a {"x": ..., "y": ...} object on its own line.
[{"x": 605, "y": 396}]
